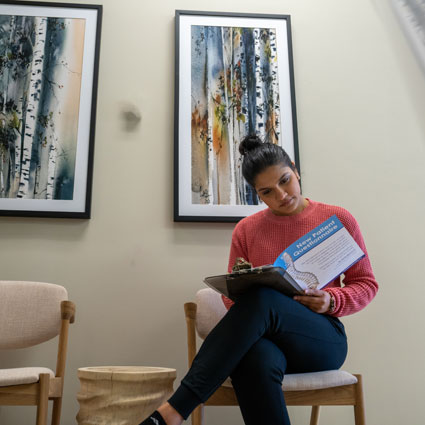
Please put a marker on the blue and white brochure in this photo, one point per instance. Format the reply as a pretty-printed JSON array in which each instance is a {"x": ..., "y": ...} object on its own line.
[{"x": 321, "y": 255}]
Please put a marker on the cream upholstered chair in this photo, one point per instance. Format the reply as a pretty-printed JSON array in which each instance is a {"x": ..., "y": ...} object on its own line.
[
  {"x": 32, "y": 313},
  {"x": 328, "y": 388}
]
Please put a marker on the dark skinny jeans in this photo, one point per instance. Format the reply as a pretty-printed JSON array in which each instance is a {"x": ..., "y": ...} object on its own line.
[{"x": 263, "y": 336}]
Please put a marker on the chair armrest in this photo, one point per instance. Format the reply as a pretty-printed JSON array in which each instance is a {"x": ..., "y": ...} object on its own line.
[
  {"x": 190, "y": 313},
  {"x": 68, "y": 311},
  {"x": 68, "y": 316}
]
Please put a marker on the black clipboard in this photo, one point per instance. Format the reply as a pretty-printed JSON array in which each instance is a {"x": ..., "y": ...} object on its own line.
[{"x": 233, "y": 285}]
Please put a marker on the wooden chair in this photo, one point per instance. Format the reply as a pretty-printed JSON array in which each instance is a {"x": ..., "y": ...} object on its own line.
[
  {"x": 32, "y": 313},
  {"x": 328, "y": 388}
]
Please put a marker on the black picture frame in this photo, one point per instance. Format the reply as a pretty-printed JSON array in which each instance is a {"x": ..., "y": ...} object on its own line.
[
  {"x": 55, "y": 179},
  {"x": 192, "y": 200}
]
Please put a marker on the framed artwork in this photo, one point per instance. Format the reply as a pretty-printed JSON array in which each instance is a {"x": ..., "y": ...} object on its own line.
[
  {"x": 49, "y": 60},
  {"x": 233, "y": 77},
  {"x": 411, "y": 14}
]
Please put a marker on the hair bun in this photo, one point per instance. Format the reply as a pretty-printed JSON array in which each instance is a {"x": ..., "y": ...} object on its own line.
[{"x": 249, "y": 143}]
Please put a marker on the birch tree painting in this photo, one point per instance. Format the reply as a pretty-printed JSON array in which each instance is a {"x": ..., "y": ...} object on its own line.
[
  {"x": 40, "y": 80},
  {"x": 234, "y": 92}
]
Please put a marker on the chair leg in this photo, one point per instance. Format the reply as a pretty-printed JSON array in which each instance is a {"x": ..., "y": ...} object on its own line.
[
  {"x": 315, "y": 415},
  {"x": 359, "y": 410},
  {"x": 56, "y": 414},
  {"x": 198, "y": 415},
  {"x": 43, "y": 399}
]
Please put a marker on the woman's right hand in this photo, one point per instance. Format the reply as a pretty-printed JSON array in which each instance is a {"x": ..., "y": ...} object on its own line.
[{"x": 315, "y": 299}]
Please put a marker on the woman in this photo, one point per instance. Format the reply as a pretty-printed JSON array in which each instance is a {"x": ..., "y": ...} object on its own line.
[{"x": 267, "y": 334}]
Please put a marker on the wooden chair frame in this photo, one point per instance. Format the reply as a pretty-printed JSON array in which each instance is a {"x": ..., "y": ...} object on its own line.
[
  {"x": 346, "y": 395},
  {"x": 47, "y": 388}
]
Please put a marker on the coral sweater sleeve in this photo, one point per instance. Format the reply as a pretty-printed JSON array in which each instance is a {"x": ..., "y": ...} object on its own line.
[
  {"x": 237, "y": 249},
  {"x": 357, "y": 286},
  {"x": 260, "y": 239}
]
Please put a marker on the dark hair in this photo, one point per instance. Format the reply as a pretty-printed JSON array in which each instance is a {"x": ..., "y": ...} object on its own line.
[{"x": 259, "y": 155}]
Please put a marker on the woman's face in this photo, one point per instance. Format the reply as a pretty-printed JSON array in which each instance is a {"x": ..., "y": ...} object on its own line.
[{"x": 278, "y": 187}]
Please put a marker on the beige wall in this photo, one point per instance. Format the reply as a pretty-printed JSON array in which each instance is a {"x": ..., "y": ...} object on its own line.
[{"x": 361, "y": 105}]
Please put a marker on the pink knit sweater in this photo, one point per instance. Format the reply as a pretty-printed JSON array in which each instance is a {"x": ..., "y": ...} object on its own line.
[{"x": 261, "y": 237}]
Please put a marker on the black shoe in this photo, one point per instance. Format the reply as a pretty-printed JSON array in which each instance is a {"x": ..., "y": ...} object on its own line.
[{"x": 154, "y": 419}]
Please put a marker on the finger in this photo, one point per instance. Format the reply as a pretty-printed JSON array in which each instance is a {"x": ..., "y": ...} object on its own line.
[
  {"x": 308, "y": 297},
  {"x": 313, "y": 303},
  {"x": 307, "y": 301},
  {"x": 313, "y": 292},
  {"x": 312, "y": 306}
]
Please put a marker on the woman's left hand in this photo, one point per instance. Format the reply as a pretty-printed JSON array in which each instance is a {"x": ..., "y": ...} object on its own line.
[{"x": 315, "y": 299}]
